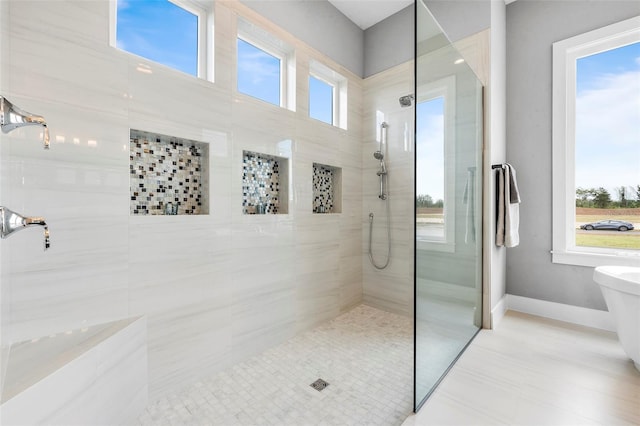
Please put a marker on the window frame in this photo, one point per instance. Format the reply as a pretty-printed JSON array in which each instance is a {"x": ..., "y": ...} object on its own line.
[
  {"x": 565, "y": 55},
  {"x": 205, "y": 36},
  {"x": 445, "y": 88},
  {"x": 338, "y": 82},
  {"x": 270, "y": 44}
]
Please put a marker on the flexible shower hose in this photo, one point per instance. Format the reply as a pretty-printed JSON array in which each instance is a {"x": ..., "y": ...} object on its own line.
[{"x": 373, "y": 262}]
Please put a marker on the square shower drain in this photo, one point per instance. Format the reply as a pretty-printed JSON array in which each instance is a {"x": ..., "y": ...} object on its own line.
[{"x": 319, "y": 385}]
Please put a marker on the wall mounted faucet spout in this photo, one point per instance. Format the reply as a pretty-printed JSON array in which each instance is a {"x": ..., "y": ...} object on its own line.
[
  {"x": 12, "y": 117},
  {"x": 11, "y": 222}
]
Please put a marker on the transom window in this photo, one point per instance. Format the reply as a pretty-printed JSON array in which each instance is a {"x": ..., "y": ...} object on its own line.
[
  {"x": 170, "y": 32},
  {"x": 258, "y": 73},
  {"x": 265, "y": 66},
  {"x": 596, "y": 146},
  {"x": 327, "y": 95},
  {"x": 320, "y": 100}
]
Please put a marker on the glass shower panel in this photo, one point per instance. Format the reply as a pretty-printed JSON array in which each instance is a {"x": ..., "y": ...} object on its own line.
[{"x": 448, "y": 205}]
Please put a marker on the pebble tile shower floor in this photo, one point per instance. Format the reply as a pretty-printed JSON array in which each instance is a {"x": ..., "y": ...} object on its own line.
[{"x": 366, "y": 355}]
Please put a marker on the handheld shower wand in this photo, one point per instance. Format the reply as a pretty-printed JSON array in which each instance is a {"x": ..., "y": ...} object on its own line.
[
  {"x": 378, "y": 155},
  {"x": 382, "y": 174}
]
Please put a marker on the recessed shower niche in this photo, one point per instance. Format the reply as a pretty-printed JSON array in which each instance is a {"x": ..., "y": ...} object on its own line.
[
  {"x": 264, "y": 183},
  {"x": 327, "y": 189},
  {"x": 168, "y": 175}
]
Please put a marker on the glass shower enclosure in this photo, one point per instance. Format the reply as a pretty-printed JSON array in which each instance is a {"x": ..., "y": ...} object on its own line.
[{"x": 448, "y": 189}]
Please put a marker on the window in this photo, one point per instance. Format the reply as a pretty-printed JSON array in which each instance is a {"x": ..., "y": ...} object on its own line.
[
  {"x": 435, "y": 166},
  {"x": 596, "y": 146},
  {"x": 258, "y": 73},
  {"x": 320, "y": 100},
  {"x": 265, "y": 66},
  {"x": 172, "y": 33},
  {"x": 327, "y": 95}
]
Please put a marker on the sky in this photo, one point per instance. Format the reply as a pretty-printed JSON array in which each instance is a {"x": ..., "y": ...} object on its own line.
[
  {"x": 258, "y": 73},
  {"x": 160, "y": 31},
  {"x": 608, "y": 119},
  {"x": 430, "y": 148}
]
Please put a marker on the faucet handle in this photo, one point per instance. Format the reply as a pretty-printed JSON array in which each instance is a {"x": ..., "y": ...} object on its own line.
[
  {"x": 47, "y": 241},
  {"x": 11, "y": 222},
  {"x": 45, "y": 137},
  {"x": 35, "y": 220}
]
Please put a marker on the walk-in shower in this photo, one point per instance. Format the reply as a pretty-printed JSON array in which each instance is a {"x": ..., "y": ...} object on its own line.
[
  {"x": 382, "y": 174},
  {"x": 448, "y": 219}
]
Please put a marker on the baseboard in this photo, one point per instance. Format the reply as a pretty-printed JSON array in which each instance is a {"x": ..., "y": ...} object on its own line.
[
  {"x": 497, "y": 313},
  {"x": 559, "y": 311}
]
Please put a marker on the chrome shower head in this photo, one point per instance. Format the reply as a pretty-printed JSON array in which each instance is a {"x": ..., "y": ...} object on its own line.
[
  {"x": 378, "y": 155},
  {"x": 406, "y": 101}
]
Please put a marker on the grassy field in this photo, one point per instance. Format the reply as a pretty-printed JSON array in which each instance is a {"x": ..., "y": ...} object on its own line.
[{"x": 626, "y": 240}]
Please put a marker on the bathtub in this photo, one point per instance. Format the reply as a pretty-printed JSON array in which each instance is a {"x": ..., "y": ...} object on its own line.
[
  {"x": 95, "y": 375},
  {"x": 620, "y": 287}
]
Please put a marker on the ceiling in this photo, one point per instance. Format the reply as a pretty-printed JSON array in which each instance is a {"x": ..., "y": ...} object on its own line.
[{"x": 365, "y": 13}]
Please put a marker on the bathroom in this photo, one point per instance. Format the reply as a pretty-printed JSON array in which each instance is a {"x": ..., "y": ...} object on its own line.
[{"x": 218, "y": 288}]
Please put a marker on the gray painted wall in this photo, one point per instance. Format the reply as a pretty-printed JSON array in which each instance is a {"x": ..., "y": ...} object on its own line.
[
  {"x": 461, "y": 18},
  {"x": 390, "y": 42},
  {"x": 320, "y": 25},
  {"x": 532, "y": 27},
  {"x": 325, "y": 28}
]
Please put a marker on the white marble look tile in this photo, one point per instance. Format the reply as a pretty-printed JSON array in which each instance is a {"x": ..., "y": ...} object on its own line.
[
  {"x": 216, "y": 288},
  {"x": 391, "y": 288},
  {"x": 187, "y": 342},
  {"x": 112, "y": 371},
  {"x": 63, "y": 55},
  {"x": 362, "y": 348}
]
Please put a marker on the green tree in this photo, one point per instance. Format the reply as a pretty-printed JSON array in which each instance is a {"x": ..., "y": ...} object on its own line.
[
  {"x": 622, "y": 196},
  {"x": 584, "y": 197},
  {"x": 602, "y": 198},
  {"x": 424, "y": 200}
]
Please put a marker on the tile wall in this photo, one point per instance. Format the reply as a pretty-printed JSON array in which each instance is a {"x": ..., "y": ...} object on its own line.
[
  {"x": 216, "y": 288},
  {"x": 391, "y": 288}
]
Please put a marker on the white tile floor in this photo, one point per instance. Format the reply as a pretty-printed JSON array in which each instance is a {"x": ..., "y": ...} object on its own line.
[
  {"x": 366, "y": 355},
  {"x": 535, "y": 371}
]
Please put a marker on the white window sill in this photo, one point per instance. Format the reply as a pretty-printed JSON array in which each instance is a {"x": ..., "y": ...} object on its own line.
[{"x": 617, "y": 258}]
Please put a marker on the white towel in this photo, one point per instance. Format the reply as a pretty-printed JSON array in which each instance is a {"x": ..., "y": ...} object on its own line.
[{"x": 508, "y": 208}]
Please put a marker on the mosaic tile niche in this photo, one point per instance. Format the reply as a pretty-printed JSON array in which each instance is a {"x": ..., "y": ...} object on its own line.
[
  {"x": 264, "y": 183},
  {"x": 168, "y": 175},
  {"x": 327, "y": 189}
]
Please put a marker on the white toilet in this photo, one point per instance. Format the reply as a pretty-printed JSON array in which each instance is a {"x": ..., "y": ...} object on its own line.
[{"x": 620, "y": 287}]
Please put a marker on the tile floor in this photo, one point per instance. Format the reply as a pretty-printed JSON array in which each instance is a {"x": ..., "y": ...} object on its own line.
[
  {"x": 366, "y": 356},
  {"x": 537, "y": 371}
]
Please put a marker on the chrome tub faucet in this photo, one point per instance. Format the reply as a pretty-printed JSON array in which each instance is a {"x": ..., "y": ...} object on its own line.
[
  {"x": 12, "y": 117},
  {"x": 11, "y": 222}
]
